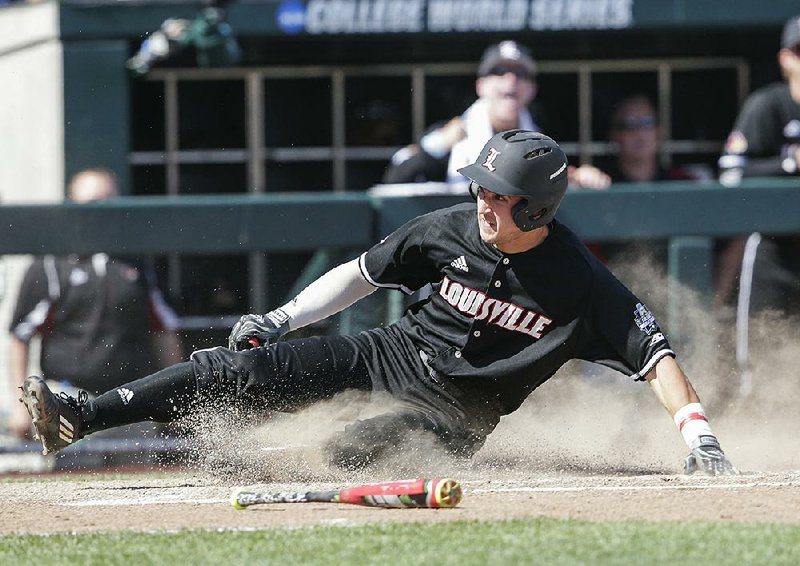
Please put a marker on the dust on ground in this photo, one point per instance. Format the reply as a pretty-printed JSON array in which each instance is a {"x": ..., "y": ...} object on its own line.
[
  {"x": 201, "y": 502},
  {"x": 587, "y": 420},
  {"x": 589, "y": 443}
]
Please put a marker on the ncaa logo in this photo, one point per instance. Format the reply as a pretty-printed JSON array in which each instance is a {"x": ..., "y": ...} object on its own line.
[
  {"x": 291, "y": 16},
  {"x": 489, "y": 163},
  {"x": 644, "y": 319}
]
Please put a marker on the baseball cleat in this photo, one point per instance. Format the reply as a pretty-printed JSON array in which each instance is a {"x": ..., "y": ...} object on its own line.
[{"x": 57, "y": 418}]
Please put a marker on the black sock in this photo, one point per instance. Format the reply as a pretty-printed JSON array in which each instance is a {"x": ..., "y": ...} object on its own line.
[{"x": 161, "y": 397}]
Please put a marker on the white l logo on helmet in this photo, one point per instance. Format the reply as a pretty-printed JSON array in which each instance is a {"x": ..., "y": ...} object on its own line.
[{"x": 493, "y": 153}]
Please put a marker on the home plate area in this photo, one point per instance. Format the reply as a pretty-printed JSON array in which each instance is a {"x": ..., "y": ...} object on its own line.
[{"x": 72, "y": 503}]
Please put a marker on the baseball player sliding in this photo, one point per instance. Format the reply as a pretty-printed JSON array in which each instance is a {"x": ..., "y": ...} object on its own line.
[{"x": 515, "y": 296}]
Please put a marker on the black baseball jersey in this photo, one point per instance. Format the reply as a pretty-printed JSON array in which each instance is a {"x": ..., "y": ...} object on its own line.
[
  {"x": 509, "y": 321},
  {"x": 764, "y": 135},
  {"x": 94, "y": 315}
]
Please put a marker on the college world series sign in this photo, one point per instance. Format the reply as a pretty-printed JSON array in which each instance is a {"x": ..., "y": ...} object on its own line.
[{"x": 320, "y": 17}]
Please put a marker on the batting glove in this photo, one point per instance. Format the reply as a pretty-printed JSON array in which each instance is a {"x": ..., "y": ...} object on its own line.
[
  {"x": 258, "y": 330},
  {"x": 708, "y": 457}
]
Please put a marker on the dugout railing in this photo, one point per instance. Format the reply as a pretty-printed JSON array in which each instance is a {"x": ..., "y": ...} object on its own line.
[{"x": 690, "y": 215}]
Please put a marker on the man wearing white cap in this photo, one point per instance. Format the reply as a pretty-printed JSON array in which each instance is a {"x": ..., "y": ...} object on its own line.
[{"x": 506, "y": 85}]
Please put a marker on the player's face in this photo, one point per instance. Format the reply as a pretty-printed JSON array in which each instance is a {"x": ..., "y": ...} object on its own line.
[
  {"x": 507, "y": 90},
  {"x": 495, "y": 222}
]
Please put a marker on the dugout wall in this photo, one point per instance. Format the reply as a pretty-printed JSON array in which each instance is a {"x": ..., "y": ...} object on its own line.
[{"x": 326, "y": 90}]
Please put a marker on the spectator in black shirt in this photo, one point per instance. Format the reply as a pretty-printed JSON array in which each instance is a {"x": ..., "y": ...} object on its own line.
[
  {"x": 98, "y": 316},
  {"x": 764, "y": 142}
]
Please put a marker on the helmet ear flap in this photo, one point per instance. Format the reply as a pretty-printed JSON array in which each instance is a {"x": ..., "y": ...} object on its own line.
[{"x": 524, "y": 218}]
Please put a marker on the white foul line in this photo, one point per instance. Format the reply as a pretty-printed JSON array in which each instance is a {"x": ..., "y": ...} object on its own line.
[
  {"x": 168, "y": 499},
  {"x": 141, "y": 501},
  {"x": 558, "y": 489}
]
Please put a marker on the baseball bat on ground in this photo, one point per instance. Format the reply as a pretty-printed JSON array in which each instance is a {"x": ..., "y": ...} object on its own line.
[{"x": 431, "y": 493}]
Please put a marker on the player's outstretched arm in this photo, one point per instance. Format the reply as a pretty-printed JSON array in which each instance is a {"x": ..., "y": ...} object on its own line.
[
  {"x": 332, "y": 292},
  {"x": 679, "y": 398}
]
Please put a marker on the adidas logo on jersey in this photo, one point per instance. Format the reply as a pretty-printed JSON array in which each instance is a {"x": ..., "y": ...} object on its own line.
[
  {"x": 125, "y": 394},
  {"x": 460, "y": 263}
]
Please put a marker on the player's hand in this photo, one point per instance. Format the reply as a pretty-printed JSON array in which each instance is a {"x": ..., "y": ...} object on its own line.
[
  {"x": 257, "y": 330},
  {"x": 708, "y": 457}
]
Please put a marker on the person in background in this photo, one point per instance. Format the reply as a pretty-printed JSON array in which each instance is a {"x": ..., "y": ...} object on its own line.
[
  {"x": 426, "y": 161},
  {"x": 506, "y": 85},
  {"x": 636, "y": 135},
  {"x": 101, "y": 319},
  {"x": 764, "y": 142}
]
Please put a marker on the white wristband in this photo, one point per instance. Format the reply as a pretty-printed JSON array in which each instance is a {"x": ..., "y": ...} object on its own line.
[{"x": 692, "y": 423}]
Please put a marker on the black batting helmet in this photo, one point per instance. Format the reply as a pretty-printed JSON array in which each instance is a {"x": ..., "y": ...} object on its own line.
[{"x": 526, "y": 164}]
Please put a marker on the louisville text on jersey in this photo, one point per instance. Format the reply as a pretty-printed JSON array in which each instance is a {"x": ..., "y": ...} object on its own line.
[{"x": 476, "y": 304}]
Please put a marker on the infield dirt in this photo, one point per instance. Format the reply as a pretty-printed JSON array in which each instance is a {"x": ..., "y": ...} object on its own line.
[
  {"x": 201, "y": 503},
  {"x": 582, "y": 450},
  {"x": 588, "y": 444}
]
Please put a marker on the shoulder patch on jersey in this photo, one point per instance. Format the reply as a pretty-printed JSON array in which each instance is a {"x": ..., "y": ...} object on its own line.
[
  {"x": 736, "y": 142},
  {"x": 644, "y": 319}
]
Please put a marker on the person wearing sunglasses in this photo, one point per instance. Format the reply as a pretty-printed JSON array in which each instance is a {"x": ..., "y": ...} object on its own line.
[{"x": 636, "y": 136}]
